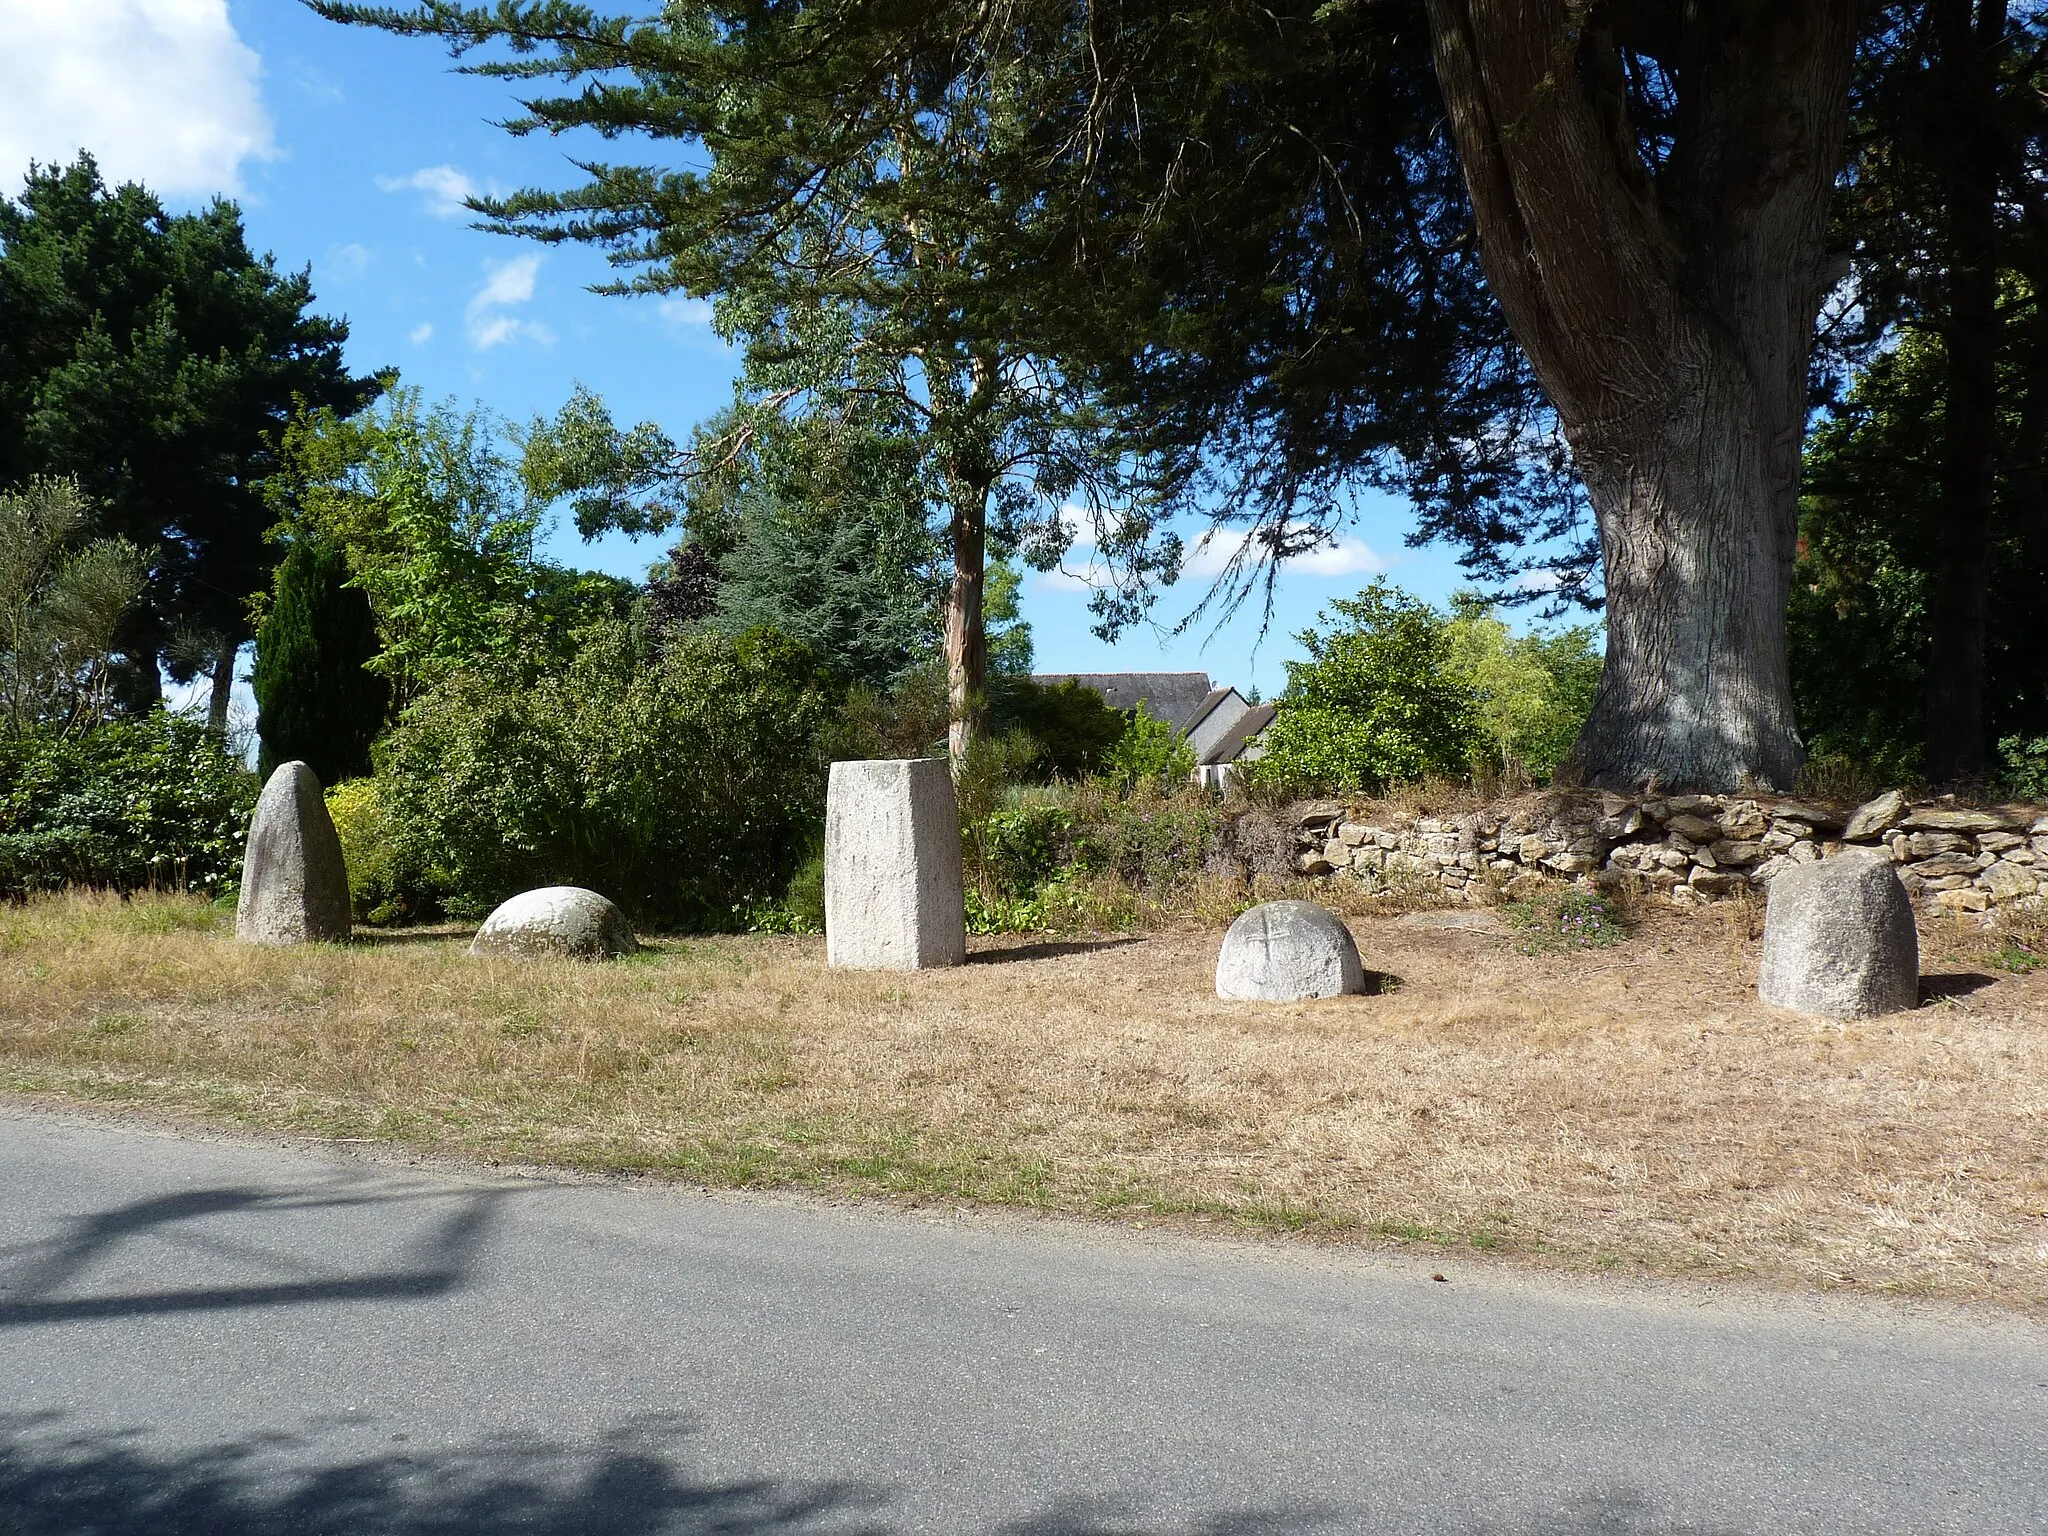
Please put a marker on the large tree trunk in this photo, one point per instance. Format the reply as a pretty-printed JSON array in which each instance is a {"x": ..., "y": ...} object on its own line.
[
  {"x": 1971, "y": 158},
  {"x": 966, "y": 630},
  {"x": 1669, "y": 314}
]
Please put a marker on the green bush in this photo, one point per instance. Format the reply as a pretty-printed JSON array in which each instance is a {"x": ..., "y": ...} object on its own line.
[
  {"x": 2023, "y": 767},
  {"x": 1532, "y": 693},
  {"x": 1378, "y": 701},
  {"x": 384, "y": 885},
  {"x": 1074, "y": 728},
  {"x": 154, "y": 803},
  {"x": 1148, "y": 752},
  {"x": 1024, "y": 847},
  {"x": 1153, "y": 842},
  {"x": 686, "y": 788}
]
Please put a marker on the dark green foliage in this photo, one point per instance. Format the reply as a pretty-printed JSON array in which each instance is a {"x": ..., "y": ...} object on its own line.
[
  {"x": 1859, "y": 625},
  {"x": 149, "y": 803},
  {"x": 862, "y": 215},
  {"x": 2023, "y": 767},
  {"x": 1077, "y": 857},
  {"x": 316, "y": 700},
  {"x": 1235, "y": 236},
  {"x": 155, "y": 359},
  {"x": 687, "y": 788},
  {"x": 1378, "y": 701},
  {"x": 1074, "y": 729},
  {"x": 854, "y": 585}
]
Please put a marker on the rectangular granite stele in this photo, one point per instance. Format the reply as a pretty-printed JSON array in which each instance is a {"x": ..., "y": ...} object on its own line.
[{"x": 894, "y": 898}]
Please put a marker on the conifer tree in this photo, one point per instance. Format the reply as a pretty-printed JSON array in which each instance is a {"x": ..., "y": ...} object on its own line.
[{"x": 316, "y": 700}]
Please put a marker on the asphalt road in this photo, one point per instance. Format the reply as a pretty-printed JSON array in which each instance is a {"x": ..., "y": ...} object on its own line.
[{"x": 199, "y": 1337}]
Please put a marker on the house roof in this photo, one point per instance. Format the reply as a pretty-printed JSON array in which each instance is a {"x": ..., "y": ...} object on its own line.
[
  {"x": 1203, "y": 710},
  {"x": 1232, "y": 745},
  {"x": 1172, "y": 696}
]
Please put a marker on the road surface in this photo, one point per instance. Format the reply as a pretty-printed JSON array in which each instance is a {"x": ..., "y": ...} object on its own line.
[{"x": 229, "y": 1339}]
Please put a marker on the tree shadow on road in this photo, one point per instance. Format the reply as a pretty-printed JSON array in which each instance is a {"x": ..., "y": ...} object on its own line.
[
  {"x": 439, "y": 1256},
  {"x": 53, "y": 1484}
]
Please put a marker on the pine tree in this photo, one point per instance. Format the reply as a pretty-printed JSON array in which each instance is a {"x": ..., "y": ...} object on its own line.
[{"x": 316, "y": 701}]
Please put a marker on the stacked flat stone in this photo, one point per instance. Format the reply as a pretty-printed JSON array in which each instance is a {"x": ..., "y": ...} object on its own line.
[
  {"x": 1286, "y": 952},
  {"x": 895, "y": 898},
  {"x": 294, "y": 877},
  {"x": 564, "y": 922},
  {"x": 1839, "y": 939},
  {"x": 1687, "y": 849}
]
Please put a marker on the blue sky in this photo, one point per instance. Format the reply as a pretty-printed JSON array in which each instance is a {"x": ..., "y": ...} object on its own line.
[{"x": 350, "y": 151}]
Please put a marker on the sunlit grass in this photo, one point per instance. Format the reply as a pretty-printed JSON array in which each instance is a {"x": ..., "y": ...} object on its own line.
[{"x": 1626, "y": 1105}]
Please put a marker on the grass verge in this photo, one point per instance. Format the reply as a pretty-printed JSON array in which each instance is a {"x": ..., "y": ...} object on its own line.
[{"x": 1629, "y": 1106}]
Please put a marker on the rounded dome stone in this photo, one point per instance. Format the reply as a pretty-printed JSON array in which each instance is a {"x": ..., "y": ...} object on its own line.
[
  {"x": 1285, "y": 951},
  {"x": 556, "y": 920}
]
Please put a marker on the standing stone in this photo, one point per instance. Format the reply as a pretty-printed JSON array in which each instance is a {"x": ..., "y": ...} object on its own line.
[
  {"x": 294, "y": 878},
  {"x": 894, "y": 896},
  {"x": 1285, "y": 951},
  {"x": 564, "y": 921},
  {"x": 1839, "y": 939}
]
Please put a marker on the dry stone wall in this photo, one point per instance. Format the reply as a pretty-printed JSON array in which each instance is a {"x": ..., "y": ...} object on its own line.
[{"x": 1684, "y": 848}]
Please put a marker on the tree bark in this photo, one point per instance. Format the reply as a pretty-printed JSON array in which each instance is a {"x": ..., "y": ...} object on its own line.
[
  {"x": 1972, "y": 154},
  {"x": 223, "y": 687},
  {"x": 1669, "y": 313},
  {"x": 966, "y": 630}
]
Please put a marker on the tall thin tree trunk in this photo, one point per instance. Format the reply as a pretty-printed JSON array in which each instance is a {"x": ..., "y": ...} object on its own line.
[
  {"x": 966, "y": 628},
  {"x": 223, "y": 686},
  {"x": 1668, "y": 310},
  {"x": 1972, "y": 154}
]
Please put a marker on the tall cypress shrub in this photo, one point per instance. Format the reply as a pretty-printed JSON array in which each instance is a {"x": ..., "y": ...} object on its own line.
[{"x": 315, "y": 699}]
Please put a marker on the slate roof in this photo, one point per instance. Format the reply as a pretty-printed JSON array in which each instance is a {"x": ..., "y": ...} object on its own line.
[
  {"x": 1174, "y": 696},
  {"x": 1202, "y": 710},
  {"x": 1232, "y": 746}
]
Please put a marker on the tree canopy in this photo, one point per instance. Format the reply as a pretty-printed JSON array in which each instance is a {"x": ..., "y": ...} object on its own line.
[
  {"x": 1553, "y": 271},
  {"x": 154, "y": 359}
]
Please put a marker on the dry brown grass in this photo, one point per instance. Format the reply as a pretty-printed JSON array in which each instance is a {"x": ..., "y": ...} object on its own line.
[{"x": 1630, "y": 1106}]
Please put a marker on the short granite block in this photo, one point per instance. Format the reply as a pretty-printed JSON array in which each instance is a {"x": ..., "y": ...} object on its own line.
[
  {"x": 894, "y": 896},
  {"x": 1839, "y": 939}
]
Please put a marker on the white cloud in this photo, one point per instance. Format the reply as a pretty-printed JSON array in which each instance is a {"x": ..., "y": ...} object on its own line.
[
  {"x": 446, "y": 188},
  {"x": 160, "y": 91},
  {"x": 421, "y": 333},
  {"x": 1066, "y": 577},
  {"x": 509, "y": 282},
  {"x": 689, "y": 314},
  {"x": 1207, "y": 555},
  {"x": 505, "y": 284},
  {"x": 1342, "y": 556},
  {"x": 351, "y": 260},
  {"x": 317, "y": 84}
]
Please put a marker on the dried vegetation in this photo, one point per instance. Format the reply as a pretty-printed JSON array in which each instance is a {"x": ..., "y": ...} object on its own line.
[{"x": 1630, "y": 1106}]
